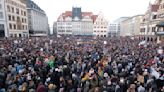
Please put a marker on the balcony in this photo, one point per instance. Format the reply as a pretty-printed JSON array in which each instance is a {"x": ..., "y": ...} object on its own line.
[{"x": 160, "y": 33}]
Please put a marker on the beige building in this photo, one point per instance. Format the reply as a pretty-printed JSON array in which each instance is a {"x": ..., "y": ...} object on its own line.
[
  {"x": 126, "y": 27},
  {"x": 100, "y": 26},
  {"x": 17, "y": 20},
  {"x": 131, "y": 26},
  {"x": 160, "y": 24},
  {"x": 149, "y": 22}
]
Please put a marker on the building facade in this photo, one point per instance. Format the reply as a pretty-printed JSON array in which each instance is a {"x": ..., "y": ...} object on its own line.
[
  {"x": 17, "y": 19},
  {"x": 3, "y": 24},
  {"x": 115, "y": 27},
  {"x": 87, "y": 25},
  {"x": 38, "y": 21},
  {"x": 79, "y": 23},
  {"x": 149, "y": 22},
  {"x": 160, "y": 25},
  {"x": 131, "y": 26},
  {"x": 100, "y": 26},
  {"x": 64, "y": 24}
]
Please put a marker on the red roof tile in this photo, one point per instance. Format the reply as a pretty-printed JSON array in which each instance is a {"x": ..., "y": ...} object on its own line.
[
  {"x": 68, "y": 13},
  {"x": 94, "y": 17},
  {"x": 87, "y": 13}
]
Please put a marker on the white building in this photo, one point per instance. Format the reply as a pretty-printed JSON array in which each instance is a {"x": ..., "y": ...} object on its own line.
[
  {"x": 64, "y": 24},
  {"x": 3, "y": 26},
  {"x": 115, "y": 27},
  {"x": 38, "y": 21},
  {"x": 100, "y": 26},
  {"x": 87, "y": 24},
  {"x": 131, "y": 26},
  {"x": 17, "y": 19},
  {"x": 79, "y": 23}
]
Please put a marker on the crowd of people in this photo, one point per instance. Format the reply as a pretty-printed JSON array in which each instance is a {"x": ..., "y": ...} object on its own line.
[{"x": 80, "y": 64}]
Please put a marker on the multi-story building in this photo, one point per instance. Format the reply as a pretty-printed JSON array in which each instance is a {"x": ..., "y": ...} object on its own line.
[
  {"x": 115, "y": 27},
  {"x": 149, "y": 22},
  {"x": 3, "y": 26},
  {"x": 160, "y": 25},
  {"x": 131, "y": 26},
  {"x": 17, "y": 19},
  {"x": 87, "y": 24},
  {"x": 38, "y": 21},
  {"x": 76, "y": 22},
  {"x": 100, "y": 26},
  {"x": 64, "y": 24}
]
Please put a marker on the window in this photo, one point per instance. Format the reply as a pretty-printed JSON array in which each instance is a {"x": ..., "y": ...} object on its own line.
[
  {"x": 15, "y": 35},
  {"x": 153, "y": 29},
  {"x": 8, "y": 8},
  {"x": 9, "y": 16},
  {"x": 11, "y": 35},
  {"x": 0, "y": 6},
  {"x": 24, "y": 13},
  {"x": 18, "y": 19},
  {"x": 13, "y": 18},
  {"x": 10, "y": 26},
  {"x": 21, "y": 12},
  {"x": 142, "y": 30},
  {"x": 17, "y": 11},
  {"x": 155, "y": 16},
  {"x": 23, "y": 27},
  {"x": 1, "y": 15},
  {"x": 20, "y": 35},
  {"x": 12, "y": 9},
  {"x": 15, "y": 26},
  {"x": 22, "y": 20}
]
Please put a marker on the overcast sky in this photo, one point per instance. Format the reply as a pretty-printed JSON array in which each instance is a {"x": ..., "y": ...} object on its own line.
[{"x": 112, "y": 9}]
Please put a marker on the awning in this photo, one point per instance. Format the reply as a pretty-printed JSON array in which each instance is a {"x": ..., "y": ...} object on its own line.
[{"x": 160, "y": 24}]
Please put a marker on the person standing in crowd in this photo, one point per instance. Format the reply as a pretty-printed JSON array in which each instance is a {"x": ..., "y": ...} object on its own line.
[{"x": 69, "y": 65}]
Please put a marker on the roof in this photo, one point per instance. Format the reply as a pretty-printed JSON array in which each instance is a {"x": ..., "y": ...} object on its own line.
[
  {"x": 94, "y": 17},
  {"x": 154, "y": 8},
  {"x": 87, "y": 13},
  {"x": 69, "y": 14}
]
